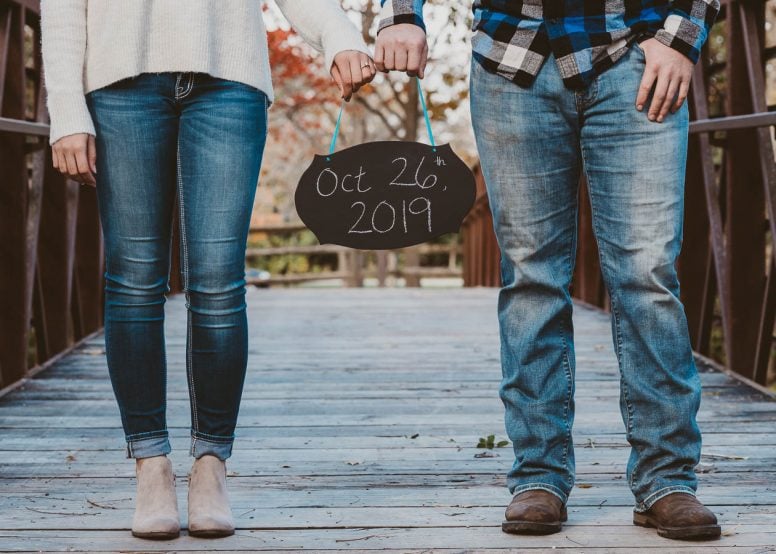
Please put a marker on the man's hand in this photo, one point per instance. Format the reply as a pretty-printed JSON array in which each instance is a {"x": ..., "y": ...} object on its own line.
[
  {"x": 351, "y": 70},
  {"x": 75, "y": 156},
  {"x": 669, "y": 72},
  {"x": 402, "y": 47}
]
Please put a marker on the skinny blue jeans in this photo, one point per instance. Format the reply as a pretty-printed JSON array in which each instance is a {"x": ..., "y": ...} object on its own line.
[
  {"x": 534, "y": 144},
  {"x": 197, "y": 139}
]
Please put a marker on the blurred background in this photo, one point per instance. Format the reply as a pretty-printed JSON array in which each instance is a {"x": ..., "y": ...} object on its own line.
[{"x": 301, "y": 124}]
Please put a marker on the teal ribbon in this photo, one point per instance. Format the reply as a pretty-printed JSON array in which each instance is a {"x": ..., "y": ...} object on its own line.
[
  {"x": 333, "y": 144},
  {"x": 425, "y": 114},
  {"x": 336, "y": 132}
]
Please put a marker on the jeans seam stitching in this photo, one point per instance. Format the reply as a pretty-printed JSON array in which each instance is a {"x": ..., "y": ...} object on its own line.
[
  {"x": 213, "y": 438},
  {"x": 185, "y": 268},
  {"x": 148, "y": 435},
  {"x": 541, "y": 486},
  {"x": 615, "y": 315},
  {"x": 181, "y": 94},
  {"x": 648, "y": 501},
  {"x": 566, "y": 326}
]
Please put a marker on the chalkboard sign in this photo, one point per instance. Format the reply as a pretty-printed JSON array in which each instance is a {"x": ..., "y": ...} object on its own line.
[{"x": 385, "y": 195}]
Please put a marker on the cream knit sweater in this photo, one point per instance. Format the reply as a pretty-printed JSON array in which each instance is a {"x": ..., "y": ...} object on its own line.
[{"x": 88, "y": 44}]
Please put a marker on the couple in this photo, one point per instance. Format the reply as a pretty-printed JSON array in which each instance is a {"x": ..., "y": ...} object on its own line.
[{"x": 171, "y": 98}]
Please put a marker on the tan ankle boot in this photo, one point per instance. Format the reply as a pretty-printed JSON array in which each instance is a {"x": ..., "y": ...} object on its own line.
[
  {"x": 156, "y": 506},
  {"x": 209, "y": 511}
]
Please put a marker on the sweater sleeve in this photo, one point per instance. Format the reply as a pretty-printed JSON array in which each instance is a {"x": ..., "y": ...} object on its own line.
[
  {"x": 323, "y": 25},
  {"x": 63, "y": 45}
]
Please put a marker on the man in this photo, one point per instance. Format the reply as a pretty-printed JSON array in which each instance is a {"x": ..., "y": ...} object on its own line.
[{"x": 560, "y": 88}]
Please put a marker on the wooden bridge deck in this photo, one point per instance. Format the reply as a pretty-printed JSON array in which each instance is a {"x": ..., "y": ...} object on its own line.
[{"x": 358, "y": 431}]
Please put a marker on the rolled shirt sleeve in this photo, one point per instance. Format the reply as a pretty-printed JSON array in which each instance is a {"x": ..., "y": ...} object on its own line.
[
  {"x": 393, "y": 12},
  {"x": 687, "y": 26}
]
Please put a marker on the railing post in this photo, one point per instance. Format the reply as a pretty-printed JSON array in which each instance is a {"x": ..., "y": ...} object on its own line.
[
  {"x": 56, "y": 257},
  {"x": 18, "y": 209},
  {"x": 87, "y": 275},
  {"x": 744, "y": 198}
]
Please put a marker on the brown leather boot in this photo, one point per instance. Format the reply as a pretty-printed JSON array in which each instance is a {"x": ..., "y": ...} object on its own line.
[
  {"x": 680, "y": 515},
  {"x": 534, "y": 512}
]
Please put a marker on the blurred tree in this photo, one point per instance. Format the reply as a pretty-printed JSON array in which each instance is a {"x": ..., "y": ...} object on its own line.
[{"x": 307, "y": 101}]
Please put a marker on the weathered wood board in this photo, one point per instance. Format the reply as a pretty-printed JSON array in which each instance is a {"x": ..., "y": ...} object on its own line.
[{"x": 358, "y": 431}]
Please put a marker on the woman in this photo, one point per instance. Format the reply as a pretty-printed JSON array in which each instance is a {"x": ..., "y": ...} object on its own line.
[{"x": 170, "y": 99}]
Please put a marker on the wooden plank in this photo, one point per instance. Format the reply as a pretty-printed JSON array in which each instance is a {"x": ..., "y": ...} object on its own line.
[
  {"x": 573, "y": 537},
  {"x": 365, "y": 443},
  {"x": 114, "y": 511},
  {"x": 85, "y": 439}
]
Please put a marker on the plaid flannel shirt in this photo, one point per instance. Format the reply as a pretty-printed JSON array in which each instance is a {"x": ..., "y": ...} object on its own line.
[{"x": 513, "y": 37}]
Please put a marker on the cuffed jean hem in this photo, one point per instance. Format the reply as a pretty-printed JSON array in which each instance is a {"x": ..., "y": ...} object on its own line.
[
  {"x": 202, "y": 443},
  {"x": 647, "y": 503},
  {"x": 148, "y": 445},
  {"x": 541, "y": 486}
]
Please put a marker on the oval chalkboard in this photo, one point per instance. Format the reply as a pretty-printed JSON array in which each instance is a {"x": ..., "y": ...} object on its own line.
[{"x": 385, "y": 195}]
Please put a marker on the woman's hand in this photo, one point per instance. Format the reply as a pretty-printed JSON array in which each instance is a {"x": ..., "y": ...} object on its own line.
[
  {"x": 75, "y": 157},
  {"x": 351, "y": 70}
]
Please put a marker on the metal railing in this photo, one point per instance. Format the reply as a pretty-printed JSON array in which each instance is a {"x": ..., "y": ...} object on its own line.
[
  {"x": 350, "y": 266},
  {"x": 51, "y": 251},
  {"x": 50, "y": 240}
]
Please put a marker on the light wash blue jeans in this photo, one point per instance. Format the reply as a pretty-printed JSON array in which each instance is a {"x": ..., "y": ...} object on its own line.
[
  {"x": 534, "y": 143},
  {"x": 198, "y": 140}
]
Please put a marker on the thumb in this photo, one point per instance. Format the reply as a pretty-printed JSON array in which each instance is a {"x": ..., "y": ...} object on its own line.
[{"x": 337, "y": 76}]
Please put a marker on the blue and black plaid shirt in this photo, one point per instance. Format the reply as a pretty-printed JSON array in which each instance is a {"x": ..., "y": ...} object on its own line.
[{"x": 513, "y": 37}]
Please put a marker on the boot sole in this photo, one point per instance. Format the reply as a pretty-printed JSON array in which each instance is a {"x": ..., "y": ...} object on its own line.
[
  {"x": 156, "y": 535},
  {"x": 696, "y": 532},
  {"x": 211, "y": 533},
  {"x": 522, "y": 527}
]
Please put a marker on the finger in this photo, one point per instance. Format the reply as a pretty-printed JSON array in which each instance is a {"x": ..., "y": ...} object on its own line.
[
  {"x": 72, "y": 165},
  {"x": 367, "y": 69},
  {"x": 414, "y": 57},
  {"x": 347, "y": 81},
  {"x": 61, "y": 163},
  {"x": 92, "y": 153},
  {"x": 658, "y": 97},
  {"x": 82, "y": 162},
  {"x": 54, "y": 158},
  {"x": 684, "y": 89},
  {"x": 673, "y": 87},
  {"x": 400, "y": 59},
  {"x": 423, "y": 62},
  {"x": 367, "y": 72},
  {"x": 389, "y": 59},
  {"x": 647, "y": 81},
  {"x": 337, "y": 76},
  {"x": 379, "y": 56},
  {"x": 356, "y": 72}
]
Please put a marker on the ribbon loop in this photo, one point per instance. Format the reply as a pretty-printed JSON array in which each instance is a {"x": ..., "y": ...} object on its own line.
[{"x": 334, "y": 137}]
